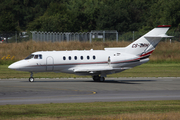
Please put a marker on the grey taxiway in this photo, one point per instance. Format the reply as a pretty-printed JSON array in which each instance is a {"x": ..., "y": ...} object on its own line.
[{"x": 20, "y": 91}]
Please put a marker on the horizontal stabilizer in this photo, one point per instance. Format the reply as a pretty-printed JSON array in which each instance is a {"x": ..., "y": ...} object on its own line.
[{"x": 158, "y": 36}]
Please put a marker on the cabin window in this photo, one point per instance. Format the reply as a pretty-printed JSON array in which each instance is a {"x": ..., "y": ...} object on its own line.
[
  {"x": 88, "y": 57},
  {"x": 75, "y": 57},
  {"x": 81, "y": 57},
  {"x": 69, "y": 57},
  {"x": 64, "y": 58},
  {"x": 94, "y": 57}
]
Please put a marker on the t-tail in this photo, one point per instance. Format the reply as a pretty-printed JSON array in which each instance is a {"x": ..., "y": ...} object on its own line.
[{"x": 146, "y": 44}]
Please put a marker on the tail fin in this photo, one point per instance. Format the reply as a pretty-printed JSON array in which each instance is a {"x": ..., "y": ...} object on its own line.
[{"x": 146, "y": 44}]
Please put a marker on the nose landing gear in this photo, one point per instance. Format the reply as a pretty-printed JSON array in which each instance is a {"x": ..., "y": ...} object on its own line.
[{"x": 31, "y": 79}]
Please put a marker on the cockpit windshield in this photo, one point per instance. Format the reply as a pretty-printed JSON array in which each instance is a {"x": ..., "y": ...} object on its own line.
[
  {"x": 32, "y": 56},
  {"x": 29, "y": 57}
]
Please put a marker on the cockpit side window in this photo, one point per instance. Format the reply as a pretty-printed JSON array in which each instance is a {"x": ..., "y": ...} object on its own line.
[
  {"x": 36, "y": 57},
  {"x": 29, "y": 57},
  {"x": 40, "y": 56}
]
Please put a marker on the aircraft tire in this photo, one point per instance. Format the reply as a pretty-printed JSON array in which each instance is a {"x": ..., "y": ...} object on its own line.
[
  {"x": 96, "y": 78},
  {"x": 102, "y": 79},
  {"x": 31, "y": 79}
]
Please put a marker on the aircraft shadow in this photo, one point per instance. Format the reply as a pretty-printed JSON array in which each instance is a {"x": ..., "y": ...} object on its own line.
[
  {"x": 125, "y": 81},
  {"x": 106, "y": 81}
]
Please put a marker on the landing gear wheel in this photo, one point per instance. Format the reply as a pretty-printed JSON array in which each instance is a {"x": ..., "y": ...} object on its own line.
[
  {"x": 102, "y": 79},
  {"x": 96, "y": 78},
  {"x": 31, "y": 79}
]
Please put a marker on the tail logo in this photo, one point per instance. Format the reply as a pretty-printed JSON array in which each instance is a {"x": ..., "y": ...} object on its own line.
[{"x": 140, "y": 45}]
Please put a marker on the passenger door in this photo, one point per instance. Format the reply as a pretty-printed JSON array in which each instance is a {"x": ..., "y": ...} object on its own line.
[{"x": 49, "y": 63}]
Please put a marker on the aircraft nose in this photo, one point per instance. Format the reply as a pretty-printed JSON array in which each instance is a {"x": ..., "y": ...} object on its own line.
[{"x": 13, "y": 66}]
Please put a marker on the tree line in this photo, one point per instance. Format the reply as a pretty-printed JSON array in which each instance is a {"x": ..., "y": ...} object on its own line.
[{"x": 87, "y": 15}]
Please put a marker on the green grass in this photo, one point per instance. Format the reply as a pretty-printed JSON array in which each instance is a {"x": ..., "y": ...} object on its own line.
[
  {"x": 88, "y": 110},
  {"x": 145, "y": 70}
]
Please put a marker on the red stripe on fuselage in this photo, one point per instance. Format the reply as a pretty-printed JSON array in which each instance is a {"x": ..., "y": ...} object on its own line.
[
  {"x": 147, "y": 53},
  {"x": 125, "y": 61}
]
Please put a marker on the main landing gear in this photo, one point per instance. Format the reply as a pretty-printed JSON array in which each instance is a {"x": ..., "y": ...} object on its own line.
[
  {"x": 31, "y": 79},
  {"x": 97, "y": 78}
]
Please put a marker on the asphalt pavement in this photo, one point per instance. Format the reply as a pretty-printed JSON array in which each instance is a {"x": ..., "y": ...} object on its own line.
[{"x": 21, "y": 91}]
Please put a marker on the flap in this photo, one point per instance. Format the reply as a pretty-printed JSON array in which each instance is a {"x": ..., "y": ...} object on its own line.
[{"x": 99, "y": 69}]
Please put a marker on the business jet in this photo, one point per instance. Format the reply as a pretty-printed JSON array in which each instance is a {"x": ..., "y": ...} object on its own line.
[{"x": 96, "y": 63}]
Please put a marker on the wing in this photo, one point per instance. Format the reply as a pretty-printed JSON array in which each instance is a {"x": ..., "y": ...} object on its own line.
[{"x": 99, "y": 69}]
